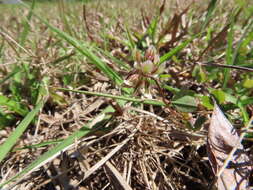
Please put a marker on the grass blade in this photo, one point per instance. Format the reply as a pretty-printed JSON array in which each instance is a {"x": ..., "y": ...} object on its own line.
[
  {"x": 131, "y": 41},
  {"x": 116, "y": 60},
  {"x": 1, "y": 48},
  {"x": 10, "y": 76},
  {"x": 175, "y": 50},
  {"x": 124, "y": 98},
  {"x": 63, "y": 58},
  {"x": 243, "y": 38},
  {"x": 38, "y": 145},
  {"x": 11, "y": 140},
  {"x": 83, "y": 49},
  {"x": 210, "y": 11},
  {"x": 26, "y": 25},
  {"x": 152, "y": 28},
  {"x": 248, "y": 39},
  {"x": 49, "y": 155},
  {"x": 229, "y": 53},
  {"x": 63, "y": 15},
  {"x": 13, "y": 105}
]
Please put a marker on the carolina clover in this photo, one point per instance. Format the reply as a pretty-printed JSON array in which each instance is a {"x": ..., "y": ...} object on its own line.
[{"x": 145, "y": 68}]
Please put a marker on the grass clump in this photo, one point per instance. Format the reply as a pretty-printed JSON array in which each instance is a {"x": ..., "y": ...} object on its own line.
[{"x": 117, "y": 94}]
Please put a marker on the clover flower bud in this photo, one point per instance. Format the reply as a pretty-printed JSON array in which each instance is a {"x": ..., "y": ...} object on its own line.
[
  {"x": 150, "y": 53},
  {"x": 147, "y": 67}
]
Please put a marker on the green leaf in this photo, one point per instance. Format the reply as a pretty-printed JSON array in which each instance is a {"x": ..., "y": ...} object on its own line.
[
  {"x": 16, "y": 83},
  {"x": 176, "y": 50},
  {"x": 199, "y": 74},
  {"x": 67, "y": 79},
  {"x": 230, "y": 98},
  {"x": 5, "y": 119},
  {"x": 219, "y": 95},
  {"x": 185, "y": 101},
  {"x": 13, "y": 73},
  {"x": 248, "y": 83},
  {"x": 246, "y": 42},
  {"x": 243, "y": 39},
  {"x": 229, "y": 52},
  {"x": 247, "y": 101},
  {"x": 207, "y": 102},
  {"x": 210, "y": 11},
  {"x": 13, "y": 138},
  {"x": 152, "y": 28},
  {"x": 164, "y": 76},
  {"x": 197, "y": 124},
  {"x": 130, "y": 38},
  {"x": 209, "y": 34},
  {"x": 60, "y": 100},
  {"x": 245, "y": 114},
  {"x": 13, "y": 105},
  {"x": 171, "y": 89}
]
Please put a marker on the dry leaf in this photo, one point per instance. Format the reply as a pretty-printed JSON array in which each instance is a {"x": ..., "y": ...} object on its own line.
[{"x": 222, "y": 138}]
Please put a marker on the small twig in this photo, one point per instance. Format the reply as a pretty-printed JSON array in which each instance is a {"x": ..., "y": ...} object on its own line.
[
  {"x": 107, "y": 157},
  {"x": 86, "y": 23},
  {"x": 150, "y": 114},
  {"x": 10, "y": 39},
  {"x": 54, "y": 177},
  {"x": 161, "y": 91},
  {"x": 212, "y": 63}
]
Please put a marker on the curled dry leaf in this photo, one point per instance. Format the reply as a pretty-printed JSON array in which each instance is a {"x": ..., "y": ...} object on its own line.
[{"x": 222, "y": 138}]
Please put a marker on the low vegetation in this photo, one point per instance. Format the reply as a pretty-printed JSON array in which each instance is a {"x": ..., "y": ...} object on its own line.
[{"x": 119, "y": 94}]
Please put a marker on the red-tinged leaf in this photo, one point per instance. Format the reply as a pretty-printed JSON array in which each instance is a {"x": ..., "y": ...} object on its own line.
[
  {"x": 162, "y": 8},
  {"x": 172, "y": 28},
  {"x": 222, "y": 138},
  {"x": 218, "y": 40}
]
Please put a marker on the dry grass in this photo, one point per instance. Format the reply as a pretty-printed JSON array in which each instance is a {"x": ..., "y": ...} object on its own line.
[{"x": 138, "y": 147}]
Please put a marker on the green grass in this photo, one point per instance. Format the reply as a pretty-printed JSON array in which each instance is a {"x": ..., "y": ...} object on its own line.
[
  {"x": 13, "y": 138},
  {"x": 54, "y": 58}
]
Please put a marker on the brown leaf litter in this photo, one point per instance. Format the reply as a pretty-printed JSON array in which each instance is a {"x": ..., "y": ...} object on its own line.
[{"x": 222, "y": 139}]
